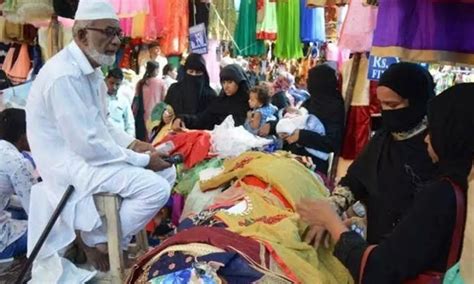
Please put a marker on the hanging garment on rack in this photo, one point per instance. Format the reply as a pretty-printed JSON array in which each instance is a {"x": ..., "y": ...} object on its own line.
[
  {"x": 199, "y": 13},
  {"x": 222, "y": 20},
  {"x": 175, "y": 33},
  {"x": 312, "y": 24},
  {"x": 425, "y": 31},
  {"x": 33, "y": 10},
  {"x": 17, "y": 63},
  {"x": 325, "y": 3},
  {"x": 246, "y": 31},
  {"x": 358, "y": 122},
  {"x": 288, "y": 44},
  {"x": 358, "y": 28},
  {"x": 128, "y": 8},
  {"x": 266, "y": 20},
  {"x": 155, "y": 20}
]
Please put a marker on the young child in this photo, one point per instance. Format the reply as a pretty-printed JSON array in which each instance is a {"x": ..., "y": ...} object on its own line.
[{"x": 262, "y": 111}]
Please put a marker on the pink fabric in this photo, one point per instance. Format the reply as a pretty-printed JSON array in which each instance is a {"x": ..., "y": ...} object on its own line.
[
  {"x": 126, "y": 26},
  {"x": 177, "y": 208},
  {"x": 130, "y": 8},
  {"x": 175, "y": 33},
  {"x": 359, "y": 26},
  {"x": 212, "y": 63},
  {"x": 153, "y": 94},
  {"x": 154, "y": 21},
  {"x": 334, "y": 53}
]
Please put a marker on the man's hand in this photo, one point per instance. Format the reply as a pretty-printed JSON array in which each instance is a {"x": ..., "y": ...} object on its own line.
[
  {"x": 156, "y": 163},
  {"x": 141, "y": 147}
]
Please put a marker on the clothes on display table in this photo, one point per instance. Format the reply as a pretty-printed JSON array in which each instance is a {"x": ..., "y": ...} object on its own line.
[{"x": 433, "y": 40}]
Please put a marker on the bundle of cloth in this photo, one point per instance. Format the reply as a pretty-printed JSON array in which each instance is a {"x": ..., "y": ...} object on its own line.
[
  {"x": 250, "y": 233},
  {"x": 301, "y": 120}
]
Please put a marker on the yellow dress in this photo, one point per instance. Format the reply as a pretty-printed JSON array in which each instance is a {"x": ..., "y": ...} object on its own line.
[{"x": 263, "y": 217}]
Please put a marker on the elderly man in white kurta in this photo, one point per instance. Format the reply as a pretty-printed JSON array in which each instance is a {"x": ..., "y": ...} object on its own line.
[{"x": 74, "y": 144}]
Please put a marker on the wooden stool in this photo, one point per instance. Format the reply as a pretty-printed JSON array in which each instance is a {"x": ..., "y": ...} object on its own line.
[{"x": 108, "y": 206}]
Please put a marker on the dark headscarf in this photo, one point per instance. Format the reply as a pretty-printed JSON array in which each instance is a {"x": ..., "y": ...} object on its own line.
[
  {"x": 389, "y": 170},
  {"x": 12, "y": 124},
  {"x": 237, "y": 105},
  {"x": 326, "y": 101},
  {"x": 451, "y": 126},
  {"x": 417, "y": 92},
  {"x": 192, "y": 94}
]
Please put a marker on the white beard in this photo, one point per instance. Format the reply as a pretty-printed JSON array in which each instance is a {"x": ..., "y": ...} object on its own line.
[{"x": 102, "y": 59}]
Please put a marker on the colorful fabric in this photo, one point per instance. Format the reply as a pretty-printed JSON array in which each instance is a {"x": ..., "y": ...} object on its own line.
[
  {"x": 218, "y": 237},
  {"x": 187, "y": 178},
  {"x": 194, "y": 146},
  {"x": 358, "y": 28},
  {"x": 313, "y": 26},
  {"x": 246, "y": 30},
  {"x": 266, "y": 20},
  {"x": 283, "y": 173},
  {"x": 430, "y": 41},
  {"x": 263, "y": 217},
  {"x": 288, "y": 44},
  {"x": 175, "y": 33},
  {"x": 188, "y": 275}
]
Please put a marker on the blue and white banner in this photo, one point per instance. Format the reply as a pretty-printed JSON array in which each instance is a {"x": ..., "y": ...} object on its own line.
[{"x": 198, "y": 39}]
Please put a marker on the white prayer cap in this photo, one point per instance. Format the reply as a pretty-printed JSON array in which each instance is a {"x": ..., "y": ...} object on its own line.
[{"x": 95, "y": 10}]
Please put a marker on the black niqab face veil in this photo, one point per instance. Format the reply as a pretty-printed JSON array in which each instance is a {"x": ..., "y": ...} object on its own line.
[
  {"x": 451, "y": 126},
  {"x": 412, "y": 82}
]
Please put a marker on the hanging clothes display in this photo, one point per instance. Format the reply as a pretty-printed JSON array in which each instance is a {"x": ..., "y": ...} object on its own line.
[
  {"x": 288, "y": 44},
  {"x": 199, "y": 12},
  {"x": 175, "y": 33},
  {"x": 357, "y": 132},
  {"x": 358, "y": 28},
  {"x": 154, "y": 20},
  {"x": 222, "y": 20},
  {"x": 266, "y": 20},
  {"x": 33, "y": 10},
  {"x": 246, "y": 31},
  {"x": 127, "y": 8},
  {"x": 312, "y": 23},
  {"x": 17, "y": 63},
  {"x": 425, "y": 31}
]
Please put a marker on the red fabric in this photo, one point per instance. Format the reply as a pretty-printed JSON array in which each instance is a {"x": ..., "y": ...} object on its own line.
[
  {"x": 193, "y": 145},
  {"x": 217, "y": 237},
  {"x": 357, "y": 131},
  {"x": 255, "y": 181},
  {"x": 375, "y": 107}
]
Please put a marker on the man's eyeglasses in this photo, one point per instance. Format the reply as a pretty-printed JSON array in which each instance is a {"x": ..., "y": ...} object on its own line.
[{"x": 109, "y": 32}]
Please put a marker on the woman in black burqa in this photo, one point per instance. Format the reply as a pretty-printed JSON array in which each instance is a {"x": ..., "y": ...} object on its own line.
[
  {"x": 422, "y": 241},
  {"x": 233, "y": 100},
  {"x": 193, "y": 94},
  {"x": 325, "y": 103}
]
